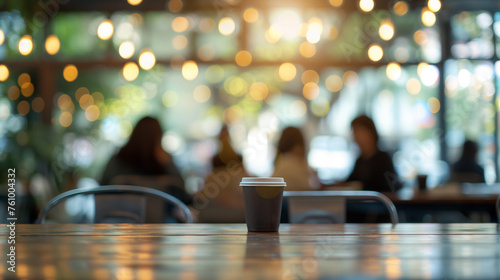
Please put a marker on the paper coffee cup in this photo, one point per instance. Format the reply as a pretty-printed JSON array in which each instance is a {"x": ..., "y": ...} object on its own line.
[{"x": 262, "y": 197}]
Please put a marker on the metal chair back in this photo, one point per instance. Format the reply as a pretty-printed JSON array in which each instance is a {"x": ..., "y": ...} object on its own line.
[
  {"x": 116, "y": 190},
  {"x": 348, "y": 195}
]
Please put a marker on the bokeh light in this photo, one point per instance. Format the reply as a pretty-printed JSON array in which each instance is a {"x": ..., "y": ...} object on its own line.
[
  {"x": 23, "y": 79},
  {"x": 70, "y": 73},
  {"x": 92, "y": 113},
  {"x": 147, "y": 59},
  {"x": 52, "y": 44},
  {"x": 243, "y": 58},
  {"x": 126, "y": 49},
  {"x": 25, "y": 45},
  {"x": 180, "y": 24},
  {"x": 336, "y": 3},
  {"x": 375, "y": 52},
  {"x": 23, "y": 107},
  {"x": 386, "y": 30},
  {"x": 413, "y": 86},
  {"x": 259, "y": 91},
  {"x": 320, "y": 106},
  {"x": 206, "y": 25},
  {"x": 434, "y": 104},
  {"x": 298, "y": 108},
  {"x": 130, "y": 71},
  {"x": 350, "y": 79},
  {"x": 310, "y": 91},
  {"x": 179, "y": 42},
  {"x": 2, "y": 37},
  {"x": 366, "y": 5},
  {"x": 309, "y": 76},
  {"x": 201, "y": 94},
  {"x": 428, "y": 17},
  {"x": 134, "y": 2},
  {"x": 65, "y": 119},
  {"x": 314, "y": 30},
  {"x": 285, "y": 23},
  {"x": 226, "y": 26},
  {"x": 434, "y": 5},
  {"x": 4, "y": 73},
  {"x": 393, "y": 71},
  {"x": 333, "y": 83},
  {"x": 105, "y": 30},
  {"x": 13, "y": 93},
  {"x": 400, "y": 8},
  {"x": 189, "y": 70},
  {"x": 251, "y": 15},
  {"x": 175, "y": 5},
  {"x": 287, "y": 71},
  {"x": 307, "y": 49},
  {"x": 27, "y": 89}
]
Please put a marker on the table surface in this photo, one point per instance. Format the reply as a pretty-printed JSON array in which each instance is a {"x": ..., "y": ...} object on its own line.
[{"x": 221, "y": 251}]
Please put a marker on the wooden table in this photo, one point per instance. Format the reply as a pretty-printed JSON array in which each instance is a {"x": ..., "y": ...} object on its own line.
[{"x": 198, "y": 251}]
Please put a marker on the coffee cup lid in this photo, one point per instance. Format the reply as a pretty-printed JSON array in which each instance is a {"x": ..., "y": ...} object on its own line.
[{"x": 262, "y": 181}]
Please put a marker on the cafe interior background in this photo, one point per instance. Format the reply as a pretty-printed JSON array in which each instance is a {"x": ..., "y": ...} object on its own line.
[{"x": 75, "y": 76}]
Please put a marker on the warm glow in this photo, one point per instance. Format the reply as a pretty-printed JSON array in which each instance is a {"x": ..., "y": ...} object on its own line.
[
  {"x": 375, "y": 52},
  {"x": 64, "y": 102},
  {"x": 259, "y": 91},
  {"x": 25, "y": 45},
  {"x": 434, "y": 5},
  {"x": 180, "y": 24},
  {"x": 189, "y": 70},
  {"x": 130, "y": 71},
  {"x": 310, "y": 91},
  {"x": 134, "y": 2},
  {"x": 27, "y": 89},
  {"x": 386, "y": 30},
  {"x": 65, "y": 119},
  {"x": 13, "y": 93},
  {"x": 428, "y": 17},
  {"x": 287, "y": 71},
  {"x": 23, "y": 107},
  {"x": 70, "y": 73},
  {"x": 314, "y": 30},
  {"x": 336, "y": 3},
  {"x": 206, "y": 25},
  {"x": 298, "y": 108},
  {"x": 52, "y": 44},
  {"x": 243, "y": 58},
  {"x": 309, "y": 76},
  {"x": 400, "y": 8},
  {"x": 413, "y": 86},
  {"x": 179, "y": 42},
  {"x": 126, "y": 49},
  {"x": 287, "y": 23},
  {"x": 2, "y": 37},
  {"x": 393, "y": 71},
  {"x": 420, "y": 67},
  {"x": 434, "y": 104},
  {"x": 226, "y": 26},
  {"x": 334, "y": 83},
  {"x": 420, "y": 37},
  {"x": 147, "y": 60},
  {"x": 92, "y": 113},
  {"x": 307, "y": 49},
  {"x": 251, "y": 15},
  {"x": 175, "y": 5},
  {"x": 366, "y": 5},
  {"x": 38, "y": 104},
  {"x": 23, "y": 79},
  {"x": 201, "y": 94},
  {"x": 272, "y": 35},
  {"x": 105, "y": 30},
  {"x": 4, "y": 73}
]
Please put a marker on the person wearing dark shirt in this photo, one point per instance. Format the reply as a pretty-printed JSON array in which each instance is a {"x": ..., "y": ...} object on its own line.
[
  {"x": 373, "y": 168},
  {"x": 466, "y": 169}
]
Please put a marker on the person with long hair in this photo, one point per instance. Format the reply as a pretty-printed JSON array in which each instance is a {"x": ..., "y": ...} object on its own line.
[
  {"x": 373, "y": 168},
  {"x": 221, "y": 199},
  {"x": 291, "y": 161},
  {"x": 143, "y": 162}
]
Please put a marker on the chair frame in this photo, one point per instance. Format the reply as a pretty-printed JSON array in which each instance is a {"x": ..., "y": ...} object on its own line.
[
  {"x": 114, "y": 189},
  {"x": 351, "y": 195}
]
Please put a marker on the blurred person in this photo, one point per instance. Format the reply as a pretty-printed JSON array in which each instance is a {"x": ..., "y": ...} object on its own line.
[
  {"x": 466, "y": 169},
  {"x": 291, "y": 162},
  {"x": 143, "y": 162},
  {"x": 221, "y": 199},
  {"x": 373, "y": 168}
]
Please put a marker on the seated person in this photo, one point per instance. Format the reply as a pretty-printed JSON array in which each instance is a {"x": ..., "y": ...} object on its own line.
[
  {"x": 291, "y": 162},
  {"x": 466, "y": 169},
  {"x": 373, "y": 168}
]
